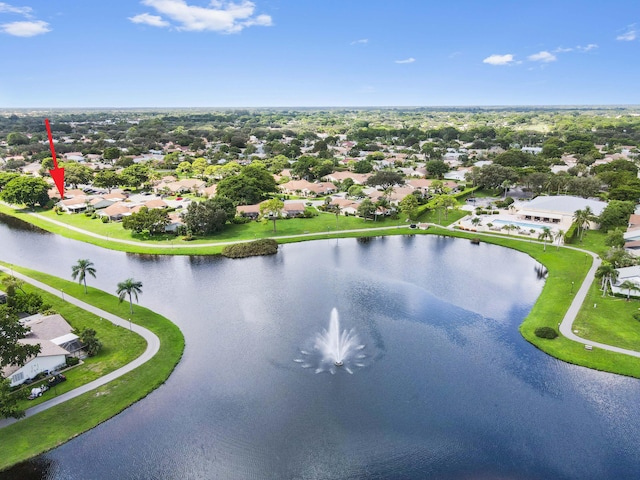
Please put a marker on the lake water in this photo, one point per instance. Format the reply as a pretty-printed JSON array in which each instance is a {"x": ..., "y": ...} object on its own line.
[{"x": 449, "y": 389}]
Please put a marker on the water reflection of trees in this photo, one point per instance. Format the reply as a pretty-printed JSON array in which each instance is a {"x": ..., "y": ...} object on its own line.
[
  {"x": 17, "y": 224},
  {"x": 541, "y": 271},
  {"x": 36, "y": 469}
]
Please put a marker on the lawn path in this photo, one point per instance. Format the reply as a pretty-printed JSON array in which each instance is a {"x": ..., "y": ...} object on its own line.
[{"x": 153, "y": 345}]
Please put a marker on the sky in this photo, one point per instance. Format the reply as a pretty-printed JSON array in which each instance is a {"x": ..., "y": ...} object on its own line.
[{"x": 318, "y": 53}]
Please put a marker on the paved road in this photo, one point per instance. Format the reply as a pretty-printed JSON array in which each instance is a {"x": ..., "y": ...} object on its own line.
[{"x": 153, "y": 345}]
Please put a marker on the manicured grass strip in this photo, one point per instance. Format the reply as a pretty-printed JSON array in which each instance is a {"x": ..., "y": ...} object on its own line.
[
  {"x": 120, "y": 346},
  {"x": 35, "y": 435},
  {"x": 322, "y": 225}
]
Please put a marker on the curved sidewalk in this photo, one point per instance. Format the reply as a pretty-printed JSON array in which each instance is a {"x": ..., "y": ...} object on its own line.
[
  {"x": 202, "y": 245},
  {"x": 153, "y": 345}
]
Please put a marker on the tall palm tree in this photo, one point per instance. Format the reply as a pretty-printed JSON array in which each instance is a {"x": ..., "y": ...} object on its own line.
[
  {"x": 629, "y": 285},
  {"x": 129, "y": 287},
  {"x": 81, "y": 269},
  {"x": 607, "y": 274},
  {"x": 559, "y": 237},
  {"x": 544, "y": 236}
]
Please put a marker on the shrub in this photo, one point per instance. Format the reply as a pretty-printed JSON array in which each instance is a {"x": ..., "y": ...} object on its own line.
[
  {"x": 546, "y": 332},
  {"x": 636, "y": 316},
  {"x": 240, "y": 220},
  {"x": 105, "y": 219},
  {"x": 71, "y": 361},
  {"x": 265, "y": 246}
]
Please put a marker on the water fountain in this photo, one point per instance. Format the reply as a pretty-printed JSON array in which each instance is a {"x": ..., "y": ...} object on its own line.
[{"x": 333, "y": 349}]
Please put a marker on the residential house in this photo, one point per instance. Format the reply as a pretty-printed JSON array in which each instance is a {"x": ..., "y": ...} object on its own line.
[
  {"x": 358, "y": 178},
  {"x": 115, "y": 212},
  {"x": 175, "y": 222},
  {"x": 75, "y": 204},
  {"x": 631, "y": 274},
  {"x": 308, "y": 189},
  {"x": 251, "y": 211},
  {"x": 293, "y": 209},
  {"x": 347, "y": 207},
  {"x": 57, "y": 341}
]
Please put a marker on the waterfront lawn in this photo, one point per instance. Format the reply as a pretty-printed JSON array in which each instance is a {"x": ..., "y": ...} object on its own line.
[
  {"x": 611, "y": 321},
  {"x": 119, "y": 346},
  {"x": 323, "y": 224},
  {"x": 34, "y": 435},
  {"x": 566, "y": 266}
]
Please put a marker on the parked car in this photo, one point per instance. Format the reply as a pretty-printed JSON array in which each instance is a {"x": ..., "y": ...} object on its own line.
[{"x": 56, "y": 379}]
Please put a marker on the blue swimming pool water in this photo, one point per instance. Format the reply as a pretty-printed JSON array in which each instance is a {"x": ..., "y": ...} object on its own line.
[{"x": 519, "y": 224}]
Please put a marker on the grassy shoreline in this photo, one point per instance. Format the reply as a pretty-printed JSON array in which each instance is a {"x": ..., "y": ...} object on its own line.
[{"x": 35, "y": 435}]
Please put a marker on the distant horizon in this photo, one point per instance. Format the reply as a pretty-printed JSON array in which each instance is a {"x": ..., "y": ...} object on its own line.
[{"x": 346, "y": 107}]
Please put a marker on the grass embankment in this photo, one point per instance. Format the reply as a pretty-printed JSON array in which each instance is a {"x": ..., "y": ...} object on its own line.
[
  {"x": 322, "y": 226},
  {"x": 34, "y": 435},
  {"x": 611, "y": 322}
]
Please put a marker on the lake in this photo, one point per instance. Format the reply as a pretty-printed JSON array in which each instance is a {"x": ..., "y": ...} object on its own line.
[{"x": 448, "y": 388}]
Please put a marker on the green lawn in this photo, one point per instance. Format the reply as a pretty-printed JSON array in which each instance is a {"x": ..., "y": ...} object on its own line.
[
  {"x": 323, "y": 224},
  {"x": 32, "y": 436},
  {"x": 611, "y": 321}
]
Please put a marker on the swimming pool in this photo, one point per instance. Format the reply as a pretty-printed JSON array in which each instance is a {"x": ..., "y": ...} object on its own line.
[{"x": 499, "y": 221}]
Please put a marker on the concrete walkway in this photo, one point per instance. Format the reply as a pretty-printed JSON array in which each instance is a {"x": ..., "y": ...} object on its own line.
[
  {"x": 153, "y": 345},
  {"x": 202, "y": 245}
]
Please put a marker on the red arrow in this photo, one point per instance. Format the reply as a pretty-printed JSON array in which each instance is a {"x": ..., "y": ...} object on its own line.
[{"x": 57, "y": 173}]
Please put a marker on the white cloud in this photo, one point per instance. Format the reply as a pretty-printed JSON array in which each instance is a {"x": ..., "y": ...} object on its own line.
[
  {"x": 147, "y": 19},
  {"x": 220, "y": 16},
  {"x": 499, "y": 59},
  {"x": 542, "y": 56},
  {"x": 587, "y": 48},
  {"x": 362, "y": 41},
  {"x": 406, "y": 60},
  {"x": 628, "y": 36},
  {"x": 563, "y": 50},
  {"x": 25, "y": 29},
  {"x": 6, "y": 8}
]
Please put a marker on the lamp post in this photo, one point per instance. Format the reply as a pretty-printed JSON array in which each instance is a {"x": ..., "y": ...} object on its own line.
[
  {"x": 62, "y": 292},
  {"x": 572, "y": 286},
  {"x": 130, "y": 324}
]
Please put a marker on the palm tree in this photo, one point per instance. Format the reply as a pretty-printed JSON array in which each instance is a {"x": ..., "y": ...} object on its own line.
[
  {"x": 607, "y": 274},
  {"x": 559, "y": 237},
  {"x": 129, "y": 287},
  {"x": 629, "y": 285},
  {"x": 508, "y": 228},
  {"x": 475, "y": 221},
  {"x": 544, "y": 236},
  {"x": 81, "y": 269},
  {"x": 582, "y": 219}
]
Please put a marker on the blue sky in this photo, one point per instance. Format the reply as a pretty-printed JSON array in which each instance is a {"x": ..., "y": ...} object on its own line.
[{"x": 261, "y": 53}]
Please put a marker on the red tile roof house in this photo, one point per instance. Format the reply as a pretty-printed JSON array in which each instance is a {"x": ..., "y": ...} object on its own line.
[
  {"x": 293, "y": 209},
  {"x": 115, "y": 212},
  {"x": 75, "y": 204},
  {"x": 175, "y": 222},
  {"x": 358, "y": 178},
  {"x": 307, "y": 189},
  {"x": 251, "y": 211},
  {"x": 347, "y": 207}
]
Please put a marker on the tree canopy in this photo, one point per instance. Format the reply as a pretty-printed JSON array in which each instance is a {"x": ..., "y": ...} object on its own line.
[{"x": 26, "y": 190}]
